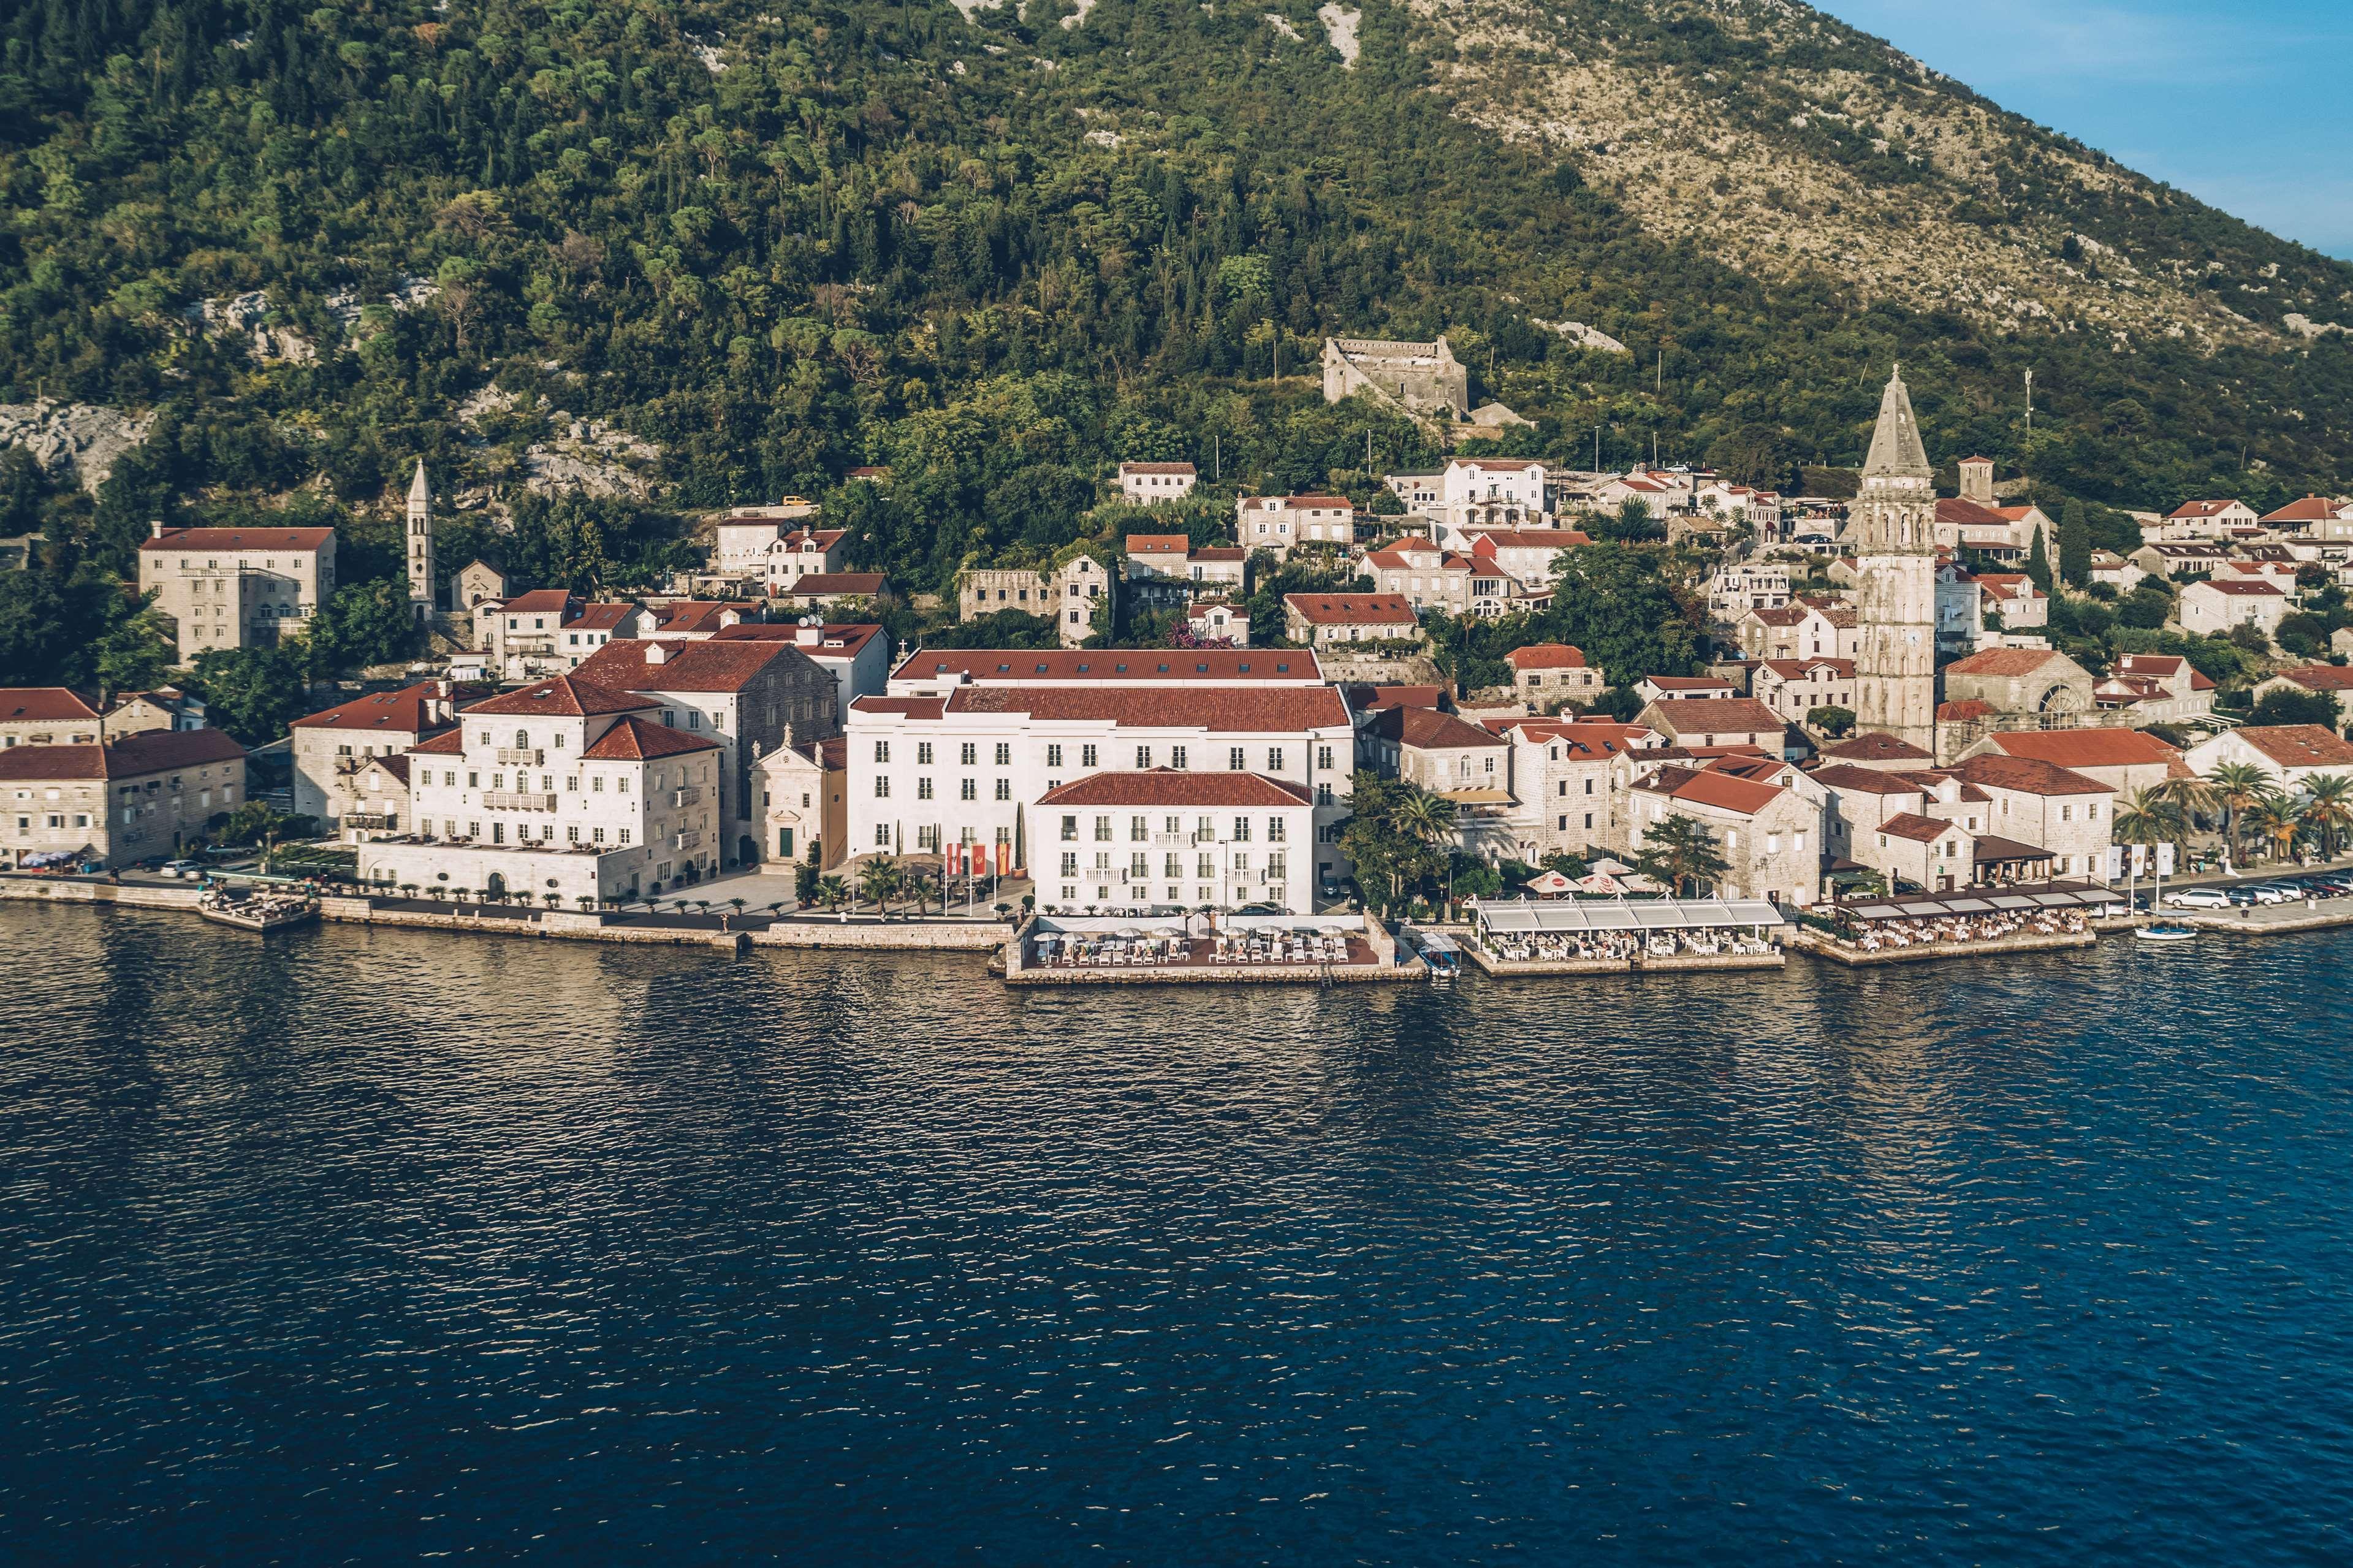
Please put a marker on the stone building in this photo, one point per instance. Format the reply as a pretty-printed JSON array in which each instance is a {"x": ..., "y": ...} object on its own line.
[
  {"x": 1152, "y": 484},
  {"x": 45, "y": 715},
  {"x": 557, "y": 792},
  {"x": 983, "y": 590},
  {"x": 236, "y": 588},
  {"x": 1424, "y": 380},
  {"x": 2031, "y": 688},
  {"x": 1892, "y": 531},
  {"x": 751, "y": 698},
  {"x": 419, "y": 535},
  {"x": 1769, "y": 836},
  {"x": 145, "y": 796},
  {"x": 331, "y": 748},
  {"x": 803, "y": 805},
  {"x": 1547, "y": 674}
]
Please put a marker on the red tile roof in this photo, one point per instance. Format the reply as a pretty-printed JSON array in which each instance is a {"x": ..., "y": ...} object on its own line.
[
  {"x": 1595, "y": 738},
  {"x": 692, "y": 615},
  {"x": 1367, "y": 699},
  {"x": 450, "y": 742},
  {"x": 411, "y": 708},
  {"x": 1167, "y": 787},
  {"x": 1152, "y": 666},
  {"x": 1964, "y": 710},
  {"x": 706, "y": 666},
  {"x": 1155, "y": 468},
  {"x": 1350, "y": 609},
  {"x": 1960, "y": 513},
  {"x": 147, "y": 751},
  {"x": 1743, "y": 797},
  {"x": 564, "y": 696},
  {"x": 1684, "y": 716},
  {"x": 294, "y": 539},
  {"x": 1868, "y": 780},
  {"x": 38, "y": 704},
  {"x": 635, "y": 739},
  {"x": 852, "y": 635},
  {"x": 1158, "y": 543},
  {"x": 2239, "y": 588},
  {"x": 1690, "y": 683},
  {"x": 2195, "y": 509},
  {"x": 600, "y": 617},
  {"x": 2027, "y": 774},
  {"x": 1876, "y": 748},
  {"x": 1546, "y": 656},
  {"x": 2320, "y": 677},
  {"x": 1487, "y": 541},
  {"x": 906, "y": 707},
  {"x": 1426, "y": 729},
  {"x": 2087, "y": 747},
  {"x": 2002, "y": 662},
  {"x": 538, "y": 601},
  {"x": 1801, "y": 668},
  {"x": 1271, "y": 710},
  {"x": 2298, "y": 745},
  {"x": 1913, "y": 826},
  {"x": 2311, "y": 509}
]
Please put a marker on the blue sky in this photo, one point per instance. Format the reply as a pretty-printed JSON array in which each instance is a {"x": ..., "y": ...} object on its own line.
[{"x": 2243, "y": 104}]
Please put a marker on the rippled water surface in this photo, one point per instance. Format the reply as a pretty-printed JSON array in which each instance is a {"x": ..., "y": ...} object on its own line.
[{"x": 374, "y": 1245}]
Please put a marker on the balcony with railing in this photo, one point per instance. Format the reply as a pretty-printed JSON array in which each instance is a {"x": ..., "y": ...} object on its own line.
[
  {"x": 370, "y": 820},
  {"x": 525, "y": 756},
  {"x": 689, "y": 796},
  {"x": 686, "y": 840},
  {"x": 516, "y": 800}
]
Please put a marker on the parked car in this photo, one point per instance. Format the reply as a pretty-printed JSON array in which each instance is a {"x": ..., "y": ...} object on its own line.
[
  {"x": 2274, "y": 892},
  {"x": 2199, "y": 898},
  {"x": 183, "y": 868}
]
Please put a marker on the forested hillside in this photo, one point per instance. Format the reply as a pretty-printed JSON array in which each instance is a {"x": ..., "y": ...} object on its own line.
[{"x": 775, "y": 239}]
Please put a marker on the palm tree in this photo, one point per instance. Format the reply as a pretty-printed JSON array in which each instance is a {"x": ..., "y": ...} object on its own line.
[
  {"x": 2328, "y": 809},
  {"x": 2146, "y": 818},
  {"x": 1423, "y": 817},
  {"x": 2190, "y": 796},
  {"x": 2276, "y": 818},
  {"x": 878, "y": 879},
  {"x": 2236, "y": 787},
  {"x": 831, "y": 892}
]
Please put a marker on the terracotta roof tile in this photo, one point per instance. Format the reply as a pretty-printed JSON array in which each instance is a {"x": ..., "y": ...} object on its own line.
[
  {"x": 1919, "y": 829},
  {"x": 706, "y": 666},
  {"x": 2298, "y": 745},
  {"x": 564, "y": 696},
  {"x": 2087, "y": 747},
  {"x": 1546, "y": 656},
  {"x": 147, "y": 751},
  {"x": 1271, "y": 710},
  {"x": 1426, "y": 729},
  {"x": 1350, "y": 609},
  {"x": 411, "y": 708},
  {"x": 291, "y": 539},
  {"x": 1168, "y": 786},
  {"x": 635, "y": 739},
  {"x": 39, "y": 705},
  {"x": 2027, "y": 774}
]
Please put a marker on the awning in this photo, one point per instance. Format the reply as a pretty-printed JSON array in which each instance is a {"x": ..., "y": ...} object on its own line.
[
  {"x": 1994, "y": 850},
  {"x": 1555, "y": 918},
  {"x": 1911, "y": 907},
  {"x": 1478, "y": 797}
]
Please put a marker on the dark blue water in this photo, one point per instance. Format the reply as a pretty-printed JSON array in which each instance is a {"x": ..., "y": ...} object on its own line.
[{"x": 376, "y": 1246}]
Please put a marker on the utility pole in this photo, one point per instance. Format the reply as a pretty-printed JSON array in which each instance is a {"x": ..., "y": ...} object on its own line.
[
  {"x": 1216, "y": 459},
  {"x": 2029, "y": 402},
  {"x": 1597, "y": 449}
]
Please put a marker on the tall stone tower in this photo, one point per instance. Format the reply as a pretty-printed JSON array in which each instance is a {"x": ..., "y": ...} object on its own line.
[
  {"x": 1895, "y": 542},
  {"x": 420, "y": 545}
]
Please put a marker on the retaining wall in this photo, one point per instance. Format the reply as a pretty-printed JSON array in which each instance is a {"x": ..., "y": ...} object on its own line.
[
  {"x": 1822, "y": 947},
  {"x": 43, "y": 889}
]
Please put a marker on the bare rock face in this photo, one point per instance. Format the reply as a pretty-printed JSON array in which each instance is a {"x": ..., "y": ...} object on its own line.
[{"x": 80, "y": 441}]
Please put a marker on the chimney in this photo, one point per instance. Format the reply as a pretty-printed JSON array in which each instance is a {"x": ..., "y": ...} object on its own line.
[
  {"x": 155, "y": 529},
  {"x": 656, "y": 653},
  {"x": 809, "y": 636}
]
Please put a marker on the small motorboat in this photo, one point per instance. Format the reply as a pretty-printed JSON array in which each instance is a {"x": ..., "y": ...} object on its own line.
[{"x": 2162, "y": 933}]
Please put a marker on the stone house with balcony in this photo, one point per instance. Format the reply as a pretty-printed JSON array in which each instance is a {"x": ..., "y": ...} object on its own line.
[
  {"x": 561, "y": 791},
  {"x": 331, "y": 748},
  {"x": 1768, "y": 836},
  {"x": 549, "y": 632},
  {"x": 376, "y": 800},
  {"x": 1280, "y": 524},
  {"x": 1793, "y": 688},
  {"x": 751, "y": 698}
]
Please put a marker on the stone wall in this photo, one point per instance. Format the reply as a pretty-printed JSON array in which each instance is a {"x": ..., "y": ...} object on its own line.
[{"x": 63, "y": 891}]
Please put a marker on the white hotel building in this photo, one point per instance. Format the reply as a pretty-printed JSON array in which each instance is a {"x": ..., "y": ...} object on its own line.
[
  {"x": 564, "y": 790},
  {"x": 962, "y": 752}
]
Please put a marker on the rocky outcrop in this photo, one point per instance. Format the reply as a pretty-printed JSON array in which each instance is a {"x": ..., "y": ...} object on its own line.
[{"x": 76, "y": 442}]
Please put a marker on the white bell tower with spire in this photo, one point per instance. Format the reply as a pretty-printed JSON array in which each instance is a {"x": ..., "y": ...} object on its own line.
[
  {"x": 1894, "y": 537},
  {"x": 420, "y": 543}
]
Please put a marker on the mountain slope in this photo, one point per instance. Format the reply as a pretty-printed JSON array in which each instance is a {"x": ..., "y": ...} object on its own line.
[
  {"x": 1787, "y": 142},
  {"x": 751, "y": 243}
]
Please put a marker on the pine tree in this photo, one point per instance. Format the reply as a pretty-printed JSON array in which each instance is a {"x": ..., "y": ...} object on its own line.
[{"x": 2038, "y": 564}]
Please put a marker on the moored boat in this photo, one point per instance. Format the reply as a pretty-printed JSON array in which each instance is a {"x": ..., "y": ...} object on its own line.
[{"x": 2165, "y": 933}]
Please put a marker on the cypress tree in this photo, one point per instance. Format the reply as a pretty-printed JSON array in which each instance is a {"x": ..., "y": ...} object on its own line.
[{"x": 2074, "y": 545}]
